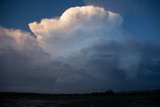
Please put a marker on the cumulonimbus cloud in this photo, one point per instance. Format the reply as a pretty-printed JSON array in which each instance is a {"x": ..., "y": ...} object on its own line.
[
  {"x": 83, "y": 27},
  {"x": 76, "y": 28},
  {"x": 86, "y": 48}
]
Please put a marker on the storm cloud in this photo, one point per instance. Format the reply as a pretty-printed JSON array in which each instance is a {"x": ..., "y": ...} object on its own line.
[
  {"x": 84, "y": 49},
  {"x": 78, "y": 27}
]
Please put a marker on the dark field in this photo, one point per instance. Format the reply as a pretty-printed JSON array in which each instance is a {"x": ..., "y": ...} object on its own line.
[{"x": 129, "y": 99}]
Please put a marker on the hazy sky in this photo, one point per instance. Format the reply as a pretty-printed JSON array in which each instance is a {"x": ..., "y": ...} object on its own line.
[{"x": 79, "y": 45}]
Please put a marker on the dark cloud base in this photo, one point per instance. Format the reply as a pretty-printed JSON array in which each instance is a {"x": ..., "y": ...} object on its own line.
[{"x": 85, "y": 72}]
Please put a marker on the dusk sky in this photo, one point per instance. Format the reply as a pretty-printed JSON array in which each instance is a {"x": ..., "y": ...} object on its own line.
[{"x": 72, "y": 46}]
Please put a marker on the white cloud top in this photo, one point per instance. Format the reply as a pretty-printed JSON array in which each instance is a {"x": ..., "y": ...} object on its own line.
[{"x": 78, "y": 27}]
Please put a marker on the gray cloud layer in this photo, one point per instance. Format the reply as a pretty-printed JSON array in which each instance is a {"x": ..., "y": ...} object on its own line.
[{"x": 85, "y": 49}]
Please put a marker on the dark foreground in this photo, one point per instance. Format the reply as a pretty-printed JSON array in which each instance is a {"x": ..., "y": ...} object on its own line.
[{"x": 129, "y": 99}]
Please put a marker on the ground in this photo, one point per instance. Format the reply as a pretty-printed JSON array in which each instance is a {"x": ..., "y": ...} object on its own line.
[{"x": 130, "y": 99}]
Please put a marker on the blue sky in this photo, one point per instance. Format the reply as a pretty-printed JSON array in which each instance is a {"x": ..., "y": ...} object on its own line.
[
  {"x": 19, "y": 13},
  {"x": 141, "y": 17}
]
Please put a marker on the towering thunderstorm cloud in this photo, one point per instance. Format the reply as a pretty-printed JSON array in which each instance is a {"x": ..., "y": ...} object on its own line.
[
  {"x": 77, "y": 28},
  {"x": 84, "y": 49}
]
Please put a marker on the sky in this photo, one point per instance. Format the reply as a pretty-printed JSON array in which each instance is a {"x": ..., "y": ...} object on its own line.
[{"x": 79, "y": 46}]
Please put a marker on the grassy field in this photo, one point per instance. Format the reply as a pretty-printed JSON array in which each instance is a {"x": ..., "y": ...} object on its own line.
[{"x": 129, "y": 99}]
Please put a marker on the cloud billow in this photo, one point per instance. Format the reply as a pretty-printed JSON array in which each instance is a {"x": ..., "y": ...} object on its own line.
[
  {"x": 84, "y": 49},
  {"x": 77, "y": 28}
]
